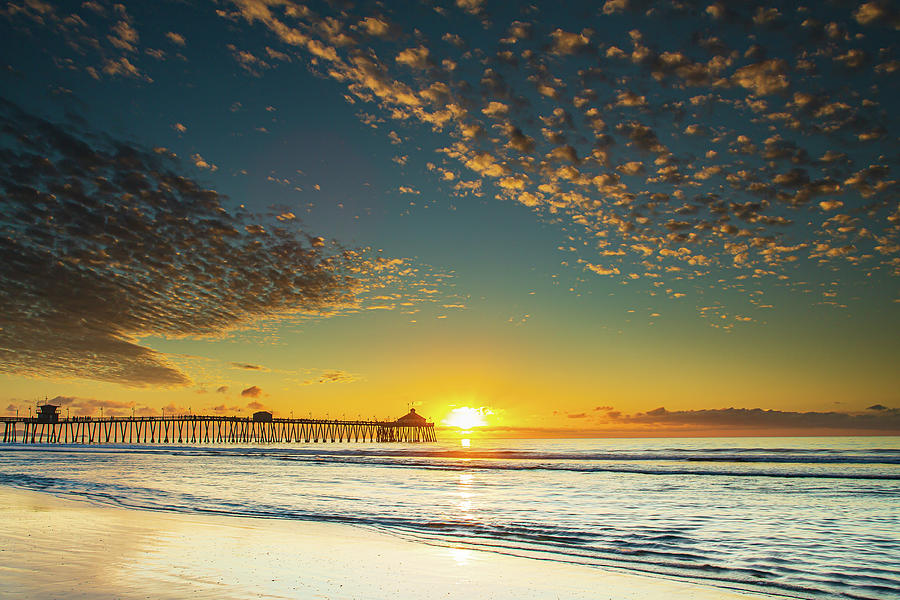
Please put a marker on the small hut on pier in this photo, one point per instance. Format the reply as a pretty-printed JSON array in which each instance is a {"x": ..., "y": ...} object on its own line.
[
  {"x": 48, "y": 413},
  {"x": 262, "y": 416}
]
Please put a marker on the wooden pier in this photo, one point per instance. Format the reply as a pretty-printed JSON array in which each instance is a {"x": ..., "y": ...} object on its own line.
[{"x": 195, "y": 429}]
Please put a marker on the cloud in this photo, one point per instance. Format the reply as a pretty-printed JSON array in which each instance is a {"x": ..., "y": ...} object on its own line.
[
  {"x": 474, "y": 7},
  {"x": 878, "y": 12},
  {"x": 757, "y": 418},
  {"x": 611, "y": 7},
  {"x": 375, "y": 26},
  {"x": 565, "y": 42},
  {"x": 629, "y": 98},
  {"x": 122, "y": 67},
  {"x": 90, "y": 406},
  {"x": 256, "y": 406},
  {"x": 248, "y": 367},
  {"x": 202, "y": 163},
  {"x": 545, "y": 120},
  {"x": 764, "y": 78},
  {"x": 332, "y": 376},
  {"x": 251, "y": 392},
  {"x": 734, "y": 421},
  {"x": 414, "y": 58},
  {"x": 86, "y": 275},
  {"x": 601, "y": 270},
  {"x": 631, "y": 168},
  {"x": 222, "y": 389},
  {"x": 175, "y": 38}
]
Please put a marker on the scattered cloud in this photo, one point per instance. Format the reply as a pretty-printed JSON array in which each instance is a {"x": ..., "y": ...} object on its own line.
[
  {"x": 251, "y": 392},
  {"x": 590, "y": 132},
  {"x": 77, "y": 406},
  {"x": 331, "y": 376}
]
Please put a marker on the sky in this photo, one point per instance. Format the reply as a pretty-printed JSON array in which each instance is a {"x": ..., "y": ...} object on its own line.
[{"x": 552, "y": 219}]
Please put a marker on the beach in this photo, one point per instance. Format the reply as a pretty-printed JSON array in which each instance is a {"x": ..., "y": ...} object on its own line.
[
  {"x": 52, "y": 547},
  {"x": 616, "y": 519}
]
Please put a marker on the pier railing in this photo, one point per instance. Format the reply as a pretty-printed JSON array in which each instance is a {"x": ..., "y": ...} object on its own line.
[{"x": 196, "y": 429}]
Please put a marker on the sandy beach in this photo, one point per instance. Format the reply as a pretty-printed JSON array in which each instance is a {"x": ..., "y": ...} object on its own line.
[{"x": 53, "y": 547}]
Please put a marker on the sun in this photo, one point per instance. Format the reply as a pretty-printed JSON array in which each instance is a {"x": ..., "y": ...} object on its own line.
[{"x": 466, "y": 417}]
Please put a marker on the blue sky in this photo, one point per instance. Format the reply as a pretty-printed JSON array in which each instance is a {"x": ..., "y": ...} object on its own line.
[{"x": 623, "y": 205}]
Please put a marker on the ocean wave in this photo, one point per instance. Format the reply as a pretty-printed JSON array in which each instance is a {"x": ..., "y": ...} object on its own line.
[
  {"x": 668, "y": 554},
  {"x": 531, "y": 505},
  {"x": 661, "y": 554},
  {"x": 873, "y": 465},
  {"x": 873, "y": 456}
]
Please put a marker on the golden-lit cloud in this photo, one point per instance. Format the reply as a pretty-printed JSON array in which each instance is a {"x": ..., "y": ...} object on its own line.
[
  {"x": 176, "y": 38},
  {"x": 632, "y": 181}
]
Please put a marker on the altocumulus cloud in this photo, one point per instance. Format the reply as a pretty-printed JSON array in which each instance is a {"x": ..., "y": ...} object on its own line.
[
  {"x": 103, "y": 242},
  {"x": 680, "y": 140}
]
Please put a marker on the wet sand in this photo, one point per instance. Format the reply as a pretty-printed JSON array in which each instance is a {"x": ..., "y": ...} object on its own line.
[{"x": 54, "y": 547}]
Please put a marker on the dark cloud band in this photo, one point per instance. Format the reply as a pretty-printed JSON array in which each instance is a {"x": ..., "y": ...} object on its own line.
[{"x": 103, "y": 242}]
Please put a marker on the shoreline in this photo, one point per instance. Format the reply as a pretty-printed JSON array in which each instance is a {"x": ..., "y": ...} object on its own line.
[{"x": 55, "y": 547}]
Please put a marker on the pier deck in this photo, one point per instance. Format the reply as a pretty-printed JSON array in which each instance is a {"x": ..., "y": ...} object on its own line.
[{"x": 197, "y": 429}]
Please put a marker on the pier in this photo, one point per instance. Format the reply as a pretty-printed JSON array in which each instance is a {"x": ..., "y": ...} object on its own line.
[{"x": 261, "y": 428}]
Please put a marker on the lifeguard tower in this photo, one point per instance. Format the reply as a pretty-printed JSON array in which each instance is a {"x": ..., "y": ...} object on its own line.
[{"x": 48, "y": 413}]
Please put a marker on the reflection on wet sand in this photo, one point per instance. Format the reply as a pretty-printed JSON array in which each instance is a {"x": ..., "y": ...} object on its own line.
[{"x": 56, "y": 548}]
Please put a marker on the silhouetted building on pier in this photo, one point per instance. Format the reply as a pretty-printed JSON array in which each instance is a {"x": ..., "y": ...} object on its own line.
[
  {"x": 411, "y": 419},
  {"x": 262, "y": 416},
  {"x": 47, "y": 413}
]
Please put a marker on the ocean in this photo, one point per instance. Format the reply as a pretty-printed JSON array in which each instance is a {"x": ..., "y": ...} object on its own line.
[{"x": 799, "y": 517}]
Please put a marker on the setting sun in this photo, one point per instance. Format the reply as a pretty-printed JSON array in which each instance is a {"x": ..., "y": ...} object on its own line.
[{"x": 466, "y": 417}]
